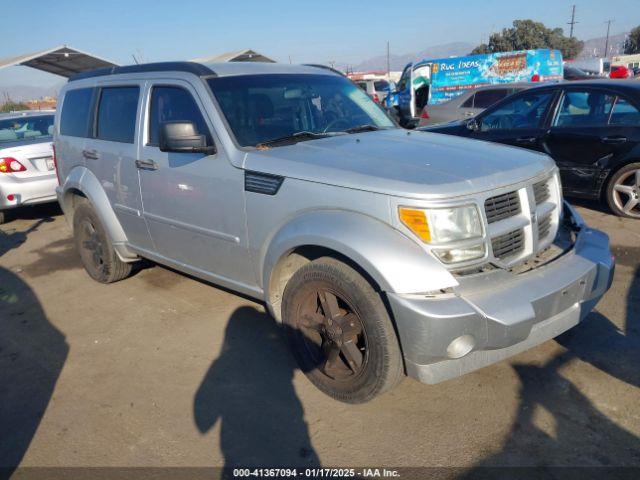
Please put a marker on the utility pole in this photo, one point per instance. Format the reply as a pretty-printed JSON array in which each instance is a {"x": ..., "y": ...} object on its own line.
[
  {"x": 573, "y": 20},
  {"x": 388, "y": 63},
  {"x": 606, "y": 44}
]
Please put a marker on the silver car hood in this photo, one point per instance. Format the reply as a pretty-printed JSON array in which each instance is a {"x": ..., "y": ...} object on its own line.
[{"x": 401, "y": 163}]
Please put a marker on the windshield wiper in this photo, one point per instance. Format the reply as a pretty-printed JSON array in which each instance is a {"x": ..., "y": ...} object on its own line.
[
  {"x": 367, "y": 127},
  {"x": 293, "y": 138}
]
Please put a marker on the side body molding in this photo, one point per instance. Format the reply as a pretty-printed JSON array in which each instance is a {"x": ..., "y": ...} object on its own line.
[
  {"x": 394, "y": 261},
  {"x": 82, "y": 179}
]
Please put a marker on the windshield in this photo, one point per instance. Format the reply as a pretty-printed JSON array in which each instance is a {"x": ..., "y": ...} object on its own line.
[
  {"x": 262, "y": 108},
  {"x": 27, "y": 127}
]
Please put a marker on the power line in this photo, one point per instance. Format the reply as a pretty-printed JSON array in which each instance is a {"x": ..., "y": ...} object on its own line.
[{"x": 573, "y": 20}]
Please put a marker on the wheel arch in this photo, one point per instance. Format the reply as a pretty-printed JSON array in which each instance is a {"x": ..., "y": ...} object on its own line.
[
  {"x": 82, "y": 183},
  {"x": 602, "y": 194},
  {"x": 389, "y": 260}
]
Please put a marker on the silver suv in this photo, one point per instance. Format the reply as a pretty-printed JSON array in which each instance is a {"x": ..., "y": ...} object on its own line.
[{"x": 383, "y": 252}]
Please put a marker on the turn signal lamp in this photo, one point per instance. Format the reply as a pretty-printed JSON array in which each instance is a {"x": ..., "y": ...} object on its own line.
[{"x": 416, "y": 221}]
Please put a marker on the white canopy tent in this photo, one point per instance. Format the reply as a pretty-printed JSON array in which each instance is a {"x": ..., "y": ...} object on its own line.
[{"x": 64, "y": 61}]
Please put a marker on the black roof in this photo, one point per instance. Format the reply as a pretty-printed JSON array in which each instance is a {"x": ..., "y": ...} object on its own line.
[{"x": 190, "y": 67}]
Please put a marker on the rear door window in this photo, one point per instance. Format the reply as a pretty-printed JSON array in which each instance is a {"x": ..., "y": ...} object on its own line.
[
  {"x": 486, "y": 98},
  {"x": 117, "y": 111},
  {"x": 624, "y": 113},
  {"x": 525, "y": 111},
  {"x": 587, "y": 108},
  {"x": 174, "y": 104},
  {"x": 75, "y": 119}
]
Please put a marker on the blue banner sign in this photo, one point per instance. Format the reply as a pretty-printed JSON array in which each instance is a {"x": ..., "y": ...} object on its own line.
[{"x": 452, "y": 76}]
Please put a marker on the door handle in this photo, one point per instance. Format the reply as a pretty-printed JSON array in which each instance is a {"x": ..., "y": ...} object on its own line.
[
  {"x": 469, "y": 114},
  {"x": 146, "y": 165},
  {"x": 90, "y": 154},
  {"x": 614, "y": 140},
  {"x": 526, "y": 139}
]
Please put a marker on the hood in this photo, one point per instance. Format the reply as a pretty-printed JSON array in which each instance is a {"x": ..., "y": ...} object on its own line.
[{"x": 403, "y": 163}]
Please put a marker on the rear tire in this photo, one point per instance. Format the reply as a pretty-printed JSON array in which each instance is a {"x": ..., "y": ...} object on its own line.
[
  {"x": 94, "y": 246},
  {"x": 340, "y": 332},
  {"x": 623, "y": 191}
]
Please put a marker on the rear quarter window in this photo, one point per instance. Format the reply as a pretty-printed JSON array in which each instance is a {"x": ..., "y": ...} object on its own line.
[
  {"x": 76, "y": 112},
  {"x": 117, "y": 109},
  {"x": 624, "y": 113}
]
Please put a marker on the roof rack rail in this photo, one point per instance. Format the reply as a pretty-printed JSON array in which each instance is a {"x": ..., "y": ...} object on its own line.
[
  {"x": 326, "y": 67},
  {"x": 189, "y": 67}
]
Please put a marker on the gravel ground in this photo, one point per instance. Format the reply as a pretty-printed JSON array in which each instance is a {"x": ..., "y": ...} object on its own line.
[{"x": 164, "y": 370}]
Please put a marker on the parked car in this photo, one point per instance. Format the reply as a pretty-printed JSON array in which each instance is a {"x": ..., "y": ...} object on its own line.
[
  {"x": 27, "y": 174},
  {"x": 620, "y": 71},
  {"x": 575, "y": 73},
  {"x": 376, "y": 89},
  {"x": 382, "y": 251},
  {"x": 592, "y": 131},
  {"x": 468, "y": 104}
]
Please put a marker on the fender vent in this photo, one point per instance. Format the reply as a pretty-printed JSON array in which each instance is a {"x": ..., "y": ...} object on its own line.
[{"x": 264, "y": 183}]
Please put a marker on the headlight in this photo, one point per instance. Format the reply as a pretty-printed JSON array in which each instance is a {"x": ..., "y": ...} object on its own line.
[{"x": 442, "y": 225}]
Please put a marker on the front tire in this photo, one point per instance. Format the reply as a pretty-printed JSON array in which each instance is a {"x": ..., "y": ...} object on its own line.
[
  {"x": 623, "y": 191},
  {"x": 340, "y": 332},
  {"x": 94, "y": 246}
]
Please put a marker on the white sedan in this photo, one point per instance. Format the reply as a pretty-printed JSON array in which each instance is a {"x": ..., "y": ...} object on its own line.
[{"x": 27, "y": 168}]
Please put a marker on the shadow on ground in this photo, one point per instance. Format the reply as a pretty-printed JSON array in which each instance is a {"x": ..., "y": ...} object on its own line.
[
  {"x": 32, "y": 353},
  {"x": 575, "y": 432},
  {"x": 249, "y": 391},
  {"x": 34, "y": 212},
  {"x": 10, "y": 239},
  {"x": 590, "y": 203}
]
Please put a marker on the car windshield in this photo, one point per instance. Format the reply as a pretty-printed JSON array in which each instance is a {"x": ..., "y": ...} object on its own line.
[
  {"x": 266, "y": 108},
  {"x": 27, "y": 128}
]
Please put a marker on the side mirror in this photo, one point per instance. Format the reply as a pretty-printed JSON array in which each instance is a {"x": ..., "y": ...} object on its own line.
[
  {"x": 473, "y": 125},
  {"x": 183, "y": 137}
]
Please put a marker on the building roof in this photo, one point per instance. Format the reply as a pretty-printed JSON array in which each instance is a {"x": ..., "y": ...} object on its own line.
[
  {"x": 64, "y": 61},
  {"x": 246, "y": 55}
]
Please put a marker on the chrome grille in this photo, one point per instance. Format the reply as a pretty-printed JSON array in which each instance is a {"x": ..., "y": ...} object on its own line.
[
  {"x": 508, "y": 244},
  {"x": 502, "y": 206},
  {"x": 544, "y": 226},
  {"x": 541, "y": 192}
]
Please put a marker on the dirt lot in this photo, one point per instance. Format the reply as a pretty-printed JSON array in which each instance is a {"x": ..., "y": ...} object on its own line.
[{"x": 164, "y": 370}]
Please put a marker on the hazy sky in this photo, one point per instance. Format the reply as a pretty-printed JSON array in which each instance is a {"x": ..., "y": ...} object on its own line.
[{"x": 332, "y": 30}]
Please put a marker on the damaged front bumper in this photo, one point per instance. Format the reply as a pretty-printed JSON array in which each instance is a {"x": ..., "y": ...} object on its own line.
[{"x": 494, "y": 315}]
